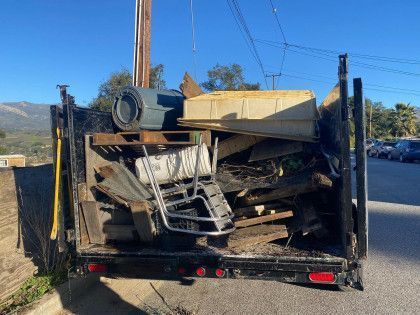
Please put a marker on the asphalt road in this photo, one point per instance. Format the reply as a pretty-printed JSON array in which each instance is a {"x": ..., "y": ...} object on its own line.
[{"x": 392, "y": 272}]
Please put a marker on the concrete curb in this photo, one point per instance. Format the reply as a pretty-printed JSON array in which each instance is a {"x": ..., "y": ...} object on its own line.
[{"x": 57, "y": 300}]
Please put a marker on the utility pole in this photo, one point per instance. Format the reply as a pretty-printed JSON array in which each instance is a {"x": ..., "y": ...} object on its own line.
[
  {"x": 141, "y": 65},
  {"x": 273, "y": 76}
]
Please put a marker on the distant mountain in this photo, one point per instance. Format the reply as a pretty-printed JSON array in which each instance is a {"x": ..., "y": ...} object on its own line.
[{"x": 24, "y": 116}]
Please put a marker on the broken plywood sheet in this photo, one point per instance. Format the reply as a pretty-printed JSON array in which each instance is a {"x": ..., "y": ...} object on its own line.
[{"x": 256, "y": 235}]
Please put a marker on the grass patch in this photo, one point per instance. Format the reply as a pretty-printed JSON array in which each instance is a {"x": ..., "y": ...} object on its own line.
[{"x": 33, "y": 288}]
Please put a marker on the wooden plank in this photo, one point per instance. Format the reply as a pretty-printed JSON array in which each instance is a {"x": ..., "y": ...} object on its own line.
[
  {"x": 256, "y": 235},
  {"x": 141, "y": 211},
  {"x": 257, "y": 210},
  {"x": 179, "y": 137},
  {"x": 82, "y": 194},
  {"x": 236, "y": 144},
  {"x": 263, "y": 219},
  {"x": 272, "y": 148},
  {"x": 94, "y": 159},
  {"x": 189, "y": 87},
  {"x": 93, "y": 224},
  {"x": 115, "y": 232}
]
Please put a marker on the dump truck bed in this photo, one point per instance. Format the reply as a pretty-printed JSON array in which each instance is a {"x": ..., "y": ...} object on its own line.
[{"x": 291, "y": 259}]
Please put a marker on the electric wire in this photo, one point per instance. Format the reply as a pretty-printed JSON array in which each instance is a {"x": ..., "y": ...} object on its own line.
[
  {"x": 278, "y": 20},
  {"x": 194, "y": 47},
  {"x": 246, "y": 33}
]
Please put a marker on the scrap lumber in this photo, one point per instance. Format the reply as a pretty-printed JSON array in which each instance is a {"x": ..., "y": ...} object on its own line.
[
  {"x": 93, "y": 223},
  {"x": 94, "y": 158},
  {"x": 263, "y": 219},
  {"x": 142, "y": 217},
  {"x": 253, "y": 211},
  {"x": 189, "y": 87},
  {"x": 147, "y": 137},
  {"x": 256, "y": 235},
  {"x": 236, "y": 144},
  {"x": 121, "y": 185},
  {"x": 272, "y": 148},
  {"x": 290, "y": 187},
  {"x": 117, "y": 232}
]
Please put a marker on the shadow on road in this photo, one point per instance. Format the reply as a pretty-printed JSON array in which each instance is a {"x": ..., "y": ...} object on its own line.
[{"x": 395, "y": 234}]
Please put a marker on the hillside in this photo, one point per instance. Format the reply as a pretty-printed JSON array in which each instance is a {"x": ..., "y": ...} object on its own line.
[{"x": 24, "y": 116}]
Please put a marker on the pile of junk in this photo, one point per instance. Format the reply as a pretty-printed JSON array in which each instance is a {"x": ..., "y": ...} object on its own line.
[{"x": 227, "y": 169}]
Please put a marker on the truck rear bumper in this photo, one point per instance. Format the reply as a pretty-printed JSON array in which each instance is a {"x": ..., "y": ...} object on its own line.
[{"x": 334, "y": 271}]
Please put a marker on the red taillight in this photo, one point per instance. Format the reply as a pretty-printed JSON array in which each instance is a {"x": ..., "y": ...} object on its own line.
[
  {"x": 97, "y": 267},
  {"x": 201, "y": 271},
  {"x": 322, "y": 277},
  {"x": 182, "y": 270},
  {"x": 220, "y": 272}
]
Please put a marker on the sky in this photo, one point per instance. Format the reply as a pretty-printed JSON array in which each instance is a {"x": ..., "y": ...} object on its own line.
[{"x": 49, "y": 42}]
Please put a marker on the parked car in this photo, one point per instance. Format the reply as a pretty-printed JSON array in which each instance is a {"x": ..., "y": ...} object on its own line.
[
  {"x": 374, "y": 148},
  {"x": 370, "y": 143},
  {"x": 384, "y": 148},
  {"x": 406, "y": 150}
]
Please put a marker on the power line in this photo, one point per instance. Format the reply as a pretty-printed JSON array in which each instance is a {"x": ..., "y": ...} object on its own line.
[
  {"x": 194, "y": 48},
  {"x": 246, "y": 33},
  {"x": 328, "y": 56},
  {"x": 353, "y": 54},
  {"x": 278, "y": 21},
  {"x": 371, "y": 89}
]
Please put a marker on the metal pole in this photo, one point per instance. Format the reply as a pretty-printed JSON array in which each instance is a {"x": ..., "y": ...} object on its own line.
[
  {"x": 361, "y": 168},
  {"x": 272, "y": 77},
  {"x": 141, "y": 63},
  {"x": 370, "y": 121},
  {"x": 345, "y": 165}
]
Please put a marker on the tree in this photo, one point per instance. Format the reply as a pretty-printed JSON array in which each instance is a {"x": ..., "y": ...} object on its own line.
[
  {"x": 378, "y": 118},
  {"x": 109, "y": 89},
  {"x": 403, "y": 120},
  {"x": 227, "y": 78},
  {"x": 156, "y": 80}
]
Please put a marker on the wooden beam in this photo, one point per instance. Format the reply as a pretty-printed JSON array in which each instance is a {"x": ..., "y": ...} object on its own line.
[
  {"x": 141, "y": 211},
  {"x": 256, "y": 235},
  {"x": 263, "y": 219}
]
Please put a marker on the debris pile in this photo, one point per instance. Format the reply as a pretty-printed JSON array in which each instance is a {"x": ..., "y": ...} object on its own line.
[{"x": 264, "y": 180}]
